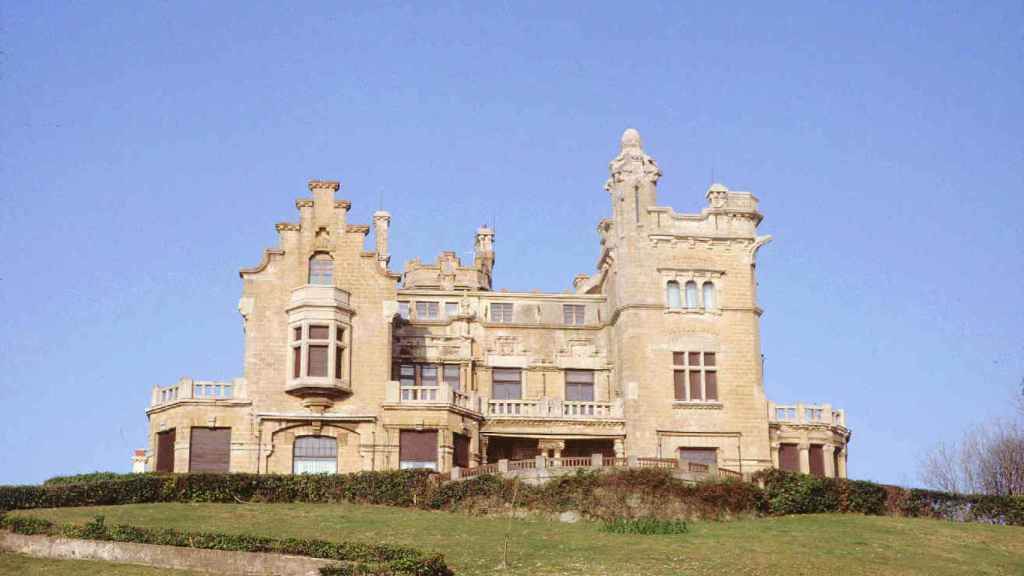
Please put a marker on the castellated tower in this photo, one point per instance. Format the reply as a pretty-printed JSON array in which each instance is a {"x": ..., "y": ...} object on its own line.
[{"x": 682, "y": 301}]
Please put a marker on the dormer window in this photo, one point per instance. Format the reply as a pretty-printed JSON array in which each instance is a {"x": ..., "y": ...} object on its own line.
[{"x": 321, "y": 269}]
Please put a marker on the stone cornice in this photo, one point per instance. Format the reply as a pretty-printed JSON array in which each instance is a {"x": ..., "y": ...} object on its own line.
[
  {"x": 332, "y": 185},
  {"x": 303, "y": 203},
  {"x": 343, "y": 204},
  {"x": 358, "y": 228},
  {"x": 287, "y": 226},
  {"x": 433, "y": 407},
  {"x": 221, "y": 403}
]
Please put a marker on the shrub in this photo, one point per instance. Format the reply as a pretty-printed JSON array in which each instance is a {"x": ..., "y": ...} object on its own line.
[
  {"x": 369, "y": 558},
  {"x": 645, "y": 526},
  {"x": 790, "y": 493},
  {"x": 1006, "y": 510},
  {"x": 81, "y": 478}
]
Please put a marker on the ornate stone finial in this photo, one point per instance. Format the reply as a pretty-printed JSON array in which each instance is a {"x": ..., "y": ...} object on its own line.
[
  {"x": 632, "y": 163},
  {"x": 717, "y": 195}
]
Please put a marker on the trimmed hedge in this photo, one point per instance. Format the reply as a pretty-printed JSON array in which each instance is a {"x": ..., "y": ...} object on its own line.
[
  {"x": 80, "y": 478},
  {"x": 394, "y": 488},
  {"x": 790, "y": 493},
  {"x": 367, "y": 558}
]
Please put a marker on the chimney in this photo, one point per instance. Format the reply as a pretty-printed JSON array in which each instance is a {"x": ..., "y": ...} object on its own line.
[
  {"x": 483, "y": 249},
  {"x": 381, "y": 221}
]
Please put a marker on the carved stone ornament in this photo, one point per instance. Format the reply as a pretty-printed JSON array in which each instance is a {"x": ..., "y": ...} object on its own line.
[{"x": 632, "y": 164}]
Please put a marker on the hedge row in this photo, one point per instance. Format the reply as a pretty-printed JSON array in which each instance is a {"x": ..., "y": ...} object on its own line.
[
  {"x": 394, "y": 488},
  {"x": 789, "y": 493},
  {"x": 379, "y": 559},
  {"x": 605, "y": 496}
]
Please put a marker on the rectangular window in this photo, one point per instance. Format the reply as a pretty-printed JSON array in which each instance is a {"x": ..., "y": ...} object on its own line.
[
  {"x": 318, "y": 333},
  {"x": 403, "y": 310},
  {"x": 339, "y": 354},
  {"x": 428, "y": 376},
  {"x": 296, "y": 361},
  {"x": 339, "y": 334},
  {"x": 426, "y": 310},
  {"x": 573, "y": 314},
  {"x": 417, "y": 449},
  {"x": 579, "y": 385},
  {"x": 407, "y": 374},
  {"x": 452, "y": 376},
  {"x": 317, "y": 361},
  {"x": 694, "y": 376},
  {"x": 816, "y": 459},
  {"x": 506, "y": 384},
  {"x": 297, "y": 333},
  {"x": 501, "y": 312},
  {"x": 451, "y": 309},
  {"x": 789, "y": 457}
]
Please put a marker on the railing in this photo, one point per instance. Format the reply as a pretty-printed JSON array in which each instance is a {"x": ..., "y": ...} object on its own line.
[
  {"x": 698, "y": 467},
  {"x": 553, "y": 408},
  {"x": 614, "y": 461},
  {"x": 657, "y": 462},
  {"x": 800, "y": 413},
  {"x": 573, "y": 462},
  {"x": 443, "y": 395},
  {"x": 522, "y": 464},
  {"x": 484, "y": 469},
  {"x": 727, "y": 473},
  {"x": 188, "y": 389}
]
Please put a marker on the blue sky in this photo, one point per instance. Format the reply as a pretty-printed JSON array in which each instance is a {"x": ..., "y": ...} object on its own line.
[{"x": 147, "y": 150}]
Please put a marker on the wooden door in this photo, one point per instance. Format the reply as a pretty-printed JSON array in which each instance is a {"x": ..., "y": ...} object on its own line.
[
  {"x": 165, "y": 451},
  {"x": 210, "y": 450},
  {"x": 789, "y": 457},
  {"x": 460, "y": 446},
  {"x": 816, "y": 455}
]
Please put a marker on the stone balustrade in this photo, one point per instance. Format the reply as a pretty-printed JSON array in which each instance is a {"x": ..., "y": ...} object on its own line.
[
  {"x": 189, "y": 390},
  {"x": 801, "y": 413},
  {"x": 542, "y": 468},
  {"x": 441, "y": 395},
  {"x": 553, "y": 408}
]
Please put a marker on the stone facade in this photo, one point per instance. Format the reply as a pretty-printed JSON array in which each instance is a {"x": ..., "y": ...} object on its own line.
[{"x": 350, "y": 366}]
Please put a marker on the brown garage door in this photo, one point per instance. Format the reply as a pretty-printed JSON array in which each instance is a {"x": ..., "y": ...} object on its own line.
[
  {"x": 817, "y": 460},
  {"x": 418, "y": 449},
  {"x": 461, "y": 447},
  {"x": 789, "y": 457},
  {"x": 165, "y": 451},
  {"x": 210, "y": 450}
]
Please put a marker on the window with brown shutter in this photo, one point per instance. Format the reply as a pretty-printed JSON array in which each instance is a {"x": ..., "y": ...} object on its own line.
[
  {"x": 209, "y": 450},
  {"x": 816, "y": 458},
  {"x": 679, "y": 377},
  {"x": 695, "y": 376},
  {"x": 460, "y": 449},
  {"x": 318, "y": 332},
  {"x": 317, "y": 361},
  {"x": 296, "y": 361},
  {"x": 417, "y": 449},
  {"x": 789, "y": 457},
  {"x": 339, "y": 354},
  {"x": 165, "y": 451}
]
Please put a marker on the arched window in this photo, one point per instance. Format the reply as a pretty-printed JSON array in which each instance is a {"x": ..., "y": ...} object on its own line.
[
  {"x": 691, "y": 294},
  {"x": 709, "y": 296},
  {"x": 674, "y": 298},
  {"x": 321, "y": 269},
  {"x": 315, "y": 455}
]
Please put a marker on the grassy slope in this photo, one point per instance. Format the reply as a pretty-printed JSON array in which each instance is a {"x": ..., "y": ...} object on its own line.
[
  {"x": 25, "y": 566},
  {"x": 814, "y": 544}
]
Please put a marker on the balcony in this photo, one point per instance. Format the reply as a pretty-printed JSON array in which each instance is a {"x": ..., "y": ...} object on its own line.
[
  {"x": 799, "y": 413},
  {"x": 555, "y": 409},
  {"x": 443, "y": 396},
  {"x": 188, "y": 390}
]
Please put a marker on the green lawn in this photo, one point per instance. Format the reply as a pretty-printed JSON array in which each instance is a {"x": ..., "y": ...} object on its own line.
[
  {"x": 26, "y": 566},
  {"x": 813, "y": 544}
]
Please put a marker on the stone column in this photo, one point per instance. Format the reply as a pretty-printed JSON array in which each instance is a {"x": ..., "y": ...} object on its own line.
[
  {"x": 620, "y": 448},
  {"x": 841, "y": 461},
  {"x": 805, "y": 458},
  {"x": 775, "y": 456},
  {"x": 828, "y": 452}
]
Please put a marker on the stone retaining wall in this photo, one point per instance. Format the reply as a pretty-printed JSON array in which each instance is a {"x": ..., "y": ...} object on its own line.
[{"x": 214, "y": 561}]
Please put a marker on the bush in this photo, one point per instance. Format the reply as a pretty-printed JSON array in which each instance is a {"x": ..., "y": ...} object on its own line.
[
  {"x": 1005, "y": 510},
  {"x": 645, "y": 526},
  {"x": 369, "y": 558}
]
